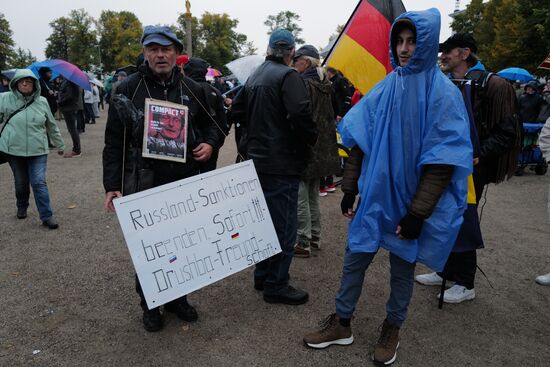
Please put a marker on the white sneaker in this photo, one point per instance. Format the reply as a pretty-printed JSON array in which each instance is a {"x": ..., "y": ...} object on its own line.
[
  {"x": 543, "y": 279},
  {"x": 431, "y": 279},
  {"x": 458, "y": 294}
]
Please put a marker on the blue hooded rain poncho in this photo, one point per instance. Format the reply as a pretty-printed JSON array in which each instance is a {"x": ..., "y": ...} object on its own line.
[{"x": 413, "y": 117}]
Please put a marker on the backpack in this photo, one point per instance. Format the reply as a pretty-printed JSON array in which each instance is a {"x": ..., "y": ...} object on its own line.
[{"x": 480, "y": 86}]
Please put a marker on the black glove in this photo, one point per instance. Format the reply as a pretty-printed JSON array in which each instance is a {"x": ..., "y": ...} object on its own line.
[
  {"x": 411, "y": 226},
  {"x": 347, "y": 203}
]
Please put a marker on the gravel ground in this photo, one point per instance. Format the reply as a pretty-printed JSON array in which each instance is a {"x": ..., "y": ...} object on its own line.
[{"x": 68, "y": 295}]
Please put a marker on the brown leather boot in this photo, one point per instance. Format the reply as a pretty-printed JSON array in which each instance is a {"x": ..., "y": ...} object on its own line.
[{"x": 385, "y": 350}]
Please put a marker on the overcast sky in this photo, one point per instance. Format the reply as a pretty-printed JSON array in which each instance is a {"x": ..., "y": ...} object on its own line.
[{"x": 29, "y": 19}]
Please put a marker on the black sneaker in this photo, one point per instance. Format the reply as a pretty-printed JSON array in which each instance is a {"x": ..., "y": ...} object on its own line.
[
  {"x": 183, "y": 310},
  {"x": 21, "y": 213},
  {"x": 50, "y": 223},
  {"x": 152, "y": 320},
  {"x": 288, "y": 296}
]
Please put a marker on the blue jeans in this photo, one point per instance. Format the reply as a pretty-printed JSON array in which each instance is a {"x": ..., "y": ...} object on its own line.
[
  {"x": 281, "y": 195},
  {"x": 353, "y": 275},
  {"x": 31, "y": 171}
]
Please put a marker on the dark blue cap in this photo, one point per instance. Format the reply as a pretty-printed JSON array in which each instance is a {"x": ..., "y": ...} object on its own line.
[
  {"x": 161, "y": 35},
  {"x": 281, "y": 39}
]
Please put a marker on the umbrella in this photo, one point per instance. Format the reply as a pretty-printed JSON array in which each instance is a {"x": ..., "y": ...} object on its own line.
[
  {"x": 128, "y": 69},
  {"x": 8, "y": 74},
  {"x": 62, "y": 67},
  {"x": 516, "y": 74},
  {"x": 94, "y": 80},
  {"x": 545, "y": 64},
  {"x": 213, "y": 72},
  {"x": 245, "y": 66}
]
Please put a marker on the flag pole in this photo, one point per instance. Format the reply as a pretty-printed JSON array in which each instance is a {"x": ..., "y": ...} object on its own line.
[{"x": 340, "y": 35}]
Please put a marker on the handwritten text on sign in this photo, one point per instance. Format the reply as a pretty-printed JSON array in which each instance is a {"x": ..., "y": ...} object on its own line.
[{"x": 190, "y": 233}]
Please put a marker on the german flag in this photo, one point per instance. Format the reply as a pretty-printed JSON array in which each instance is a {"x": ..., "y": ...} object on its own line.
[
  {"x": 545, "y": 64},
  {"x": 361, "y": 51}
]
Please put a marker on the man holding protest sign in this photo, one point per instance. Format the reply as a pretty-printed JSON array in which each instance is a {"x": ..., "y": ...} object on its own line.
[
  {"x": 278, "y": 133},
  {"x": 125, "y": 171}
]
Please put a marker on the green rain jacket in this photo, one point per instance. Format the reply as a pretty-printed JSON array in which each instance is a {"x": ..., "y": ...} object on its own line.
[{"x": 25, "y": 134}]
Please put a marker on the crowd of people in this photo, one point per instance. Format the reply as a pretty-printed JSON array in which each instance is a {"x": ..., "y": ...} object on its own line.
[{"x": 423, "y": 145}]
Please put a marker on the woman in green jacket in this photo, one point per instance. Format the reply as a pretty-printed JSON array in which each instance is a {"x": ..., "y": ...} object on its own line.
[{"x": 25, "y": 142}]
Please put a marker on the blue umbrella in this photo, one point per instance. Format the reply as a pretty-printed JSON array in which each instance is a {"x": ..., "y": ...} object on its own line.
[
  {"x": 516, "y": 74},
  {"x": 64, "y": 68},
  {"x": 8, "y": 74}
]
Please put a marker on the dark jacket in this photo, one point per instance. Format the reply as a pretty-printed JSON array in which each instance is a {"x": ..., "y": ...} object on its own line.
[
  {"x": 278, "y": 130},
  {"x": 342, "y": 95},
  {"x": 45, "y": 89},
  {"x": 68, "y": 98},
  {"x": 529, "y": 107},
  {"x": 177, "y": 89},
  {"x": 196, "y": 69},
  {"x": 324, "y": 159}
]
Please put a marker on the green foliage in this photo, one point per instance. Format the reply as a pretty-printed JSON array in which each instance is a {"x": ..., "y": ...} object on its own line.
[
  {"x": 535, "y": 33},
  {"x": 6, "y": 43},
  {"x": 181, "y": 32},
  {"x": 22, "y": 58},
  {"x": 214, "y": 38},
  {"x": 286, "y": 20},
  {"x": 508, "y": 32},
  {"x": 74, "y": 39},
  {"x": 221, "y": 43},
  {"x": 58, "y": 42},
  {"x": 249, "y": 49},
  {"x": 119, "y": 38}
]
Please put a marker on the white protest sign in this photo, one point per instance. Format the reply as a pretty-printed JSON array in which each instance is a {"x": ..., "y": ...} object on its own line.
[{"x": 190, "y": 233}]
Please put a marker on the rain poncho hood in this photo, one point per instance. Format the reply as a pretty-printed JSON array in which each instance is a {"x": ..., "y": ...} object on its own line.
[{"x": 413, "y": 117}]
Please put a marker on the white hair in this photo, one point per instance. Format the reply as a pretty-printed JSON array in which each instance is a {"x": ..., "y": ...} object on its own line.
[{"x": 315, "y": 63}]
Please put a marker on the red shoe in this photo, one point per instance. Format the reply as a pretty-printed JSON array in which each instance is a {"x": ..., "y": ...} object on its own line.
[
  {"x": 322, "y": 193},
  {"x": 330, "y": 188}
]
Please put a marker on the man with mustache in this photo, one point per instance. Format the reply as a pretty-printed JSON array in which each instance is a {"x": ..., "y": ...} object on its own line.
[
  {"x": 157, "y": 78},
  {"x": 495, "y": 116}
]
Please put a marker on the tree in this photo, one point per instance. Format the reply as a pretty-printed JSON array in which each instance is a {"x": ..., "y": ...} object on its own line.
[
  {"x": 83, "y": 48},
  {"x": 535, "y": 33},
  {"x": 507, "y": 25},
  {"x": 119, "y": 38},
  {"x": 58, "y": 42},
  {"x": 218, "y": 42},
  {"x": 468, "y": 21},
  {"x": 6, "y": 43},
  {"x": 339, "y": 29},
  {"x": 74, "y": 39},
  {"x": 508, "y": 32},
  {"x": 22, "y": 59},
  {"x": 249, "y": 49},
  {"x": 286, "y": 20},
  {"x": 181, "y": 31}
]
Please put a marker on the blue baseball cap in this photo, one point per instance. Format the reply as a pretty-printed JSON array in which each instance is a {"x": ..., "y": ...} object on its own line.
[
  {"x": 161, "y": 35},
  {"x": 281, "y": 39}
]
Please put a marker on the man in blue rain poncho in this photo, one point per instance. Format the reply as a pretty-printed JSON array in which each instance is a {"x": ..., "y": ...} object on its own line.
[{"x": 410, "y": 142}]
